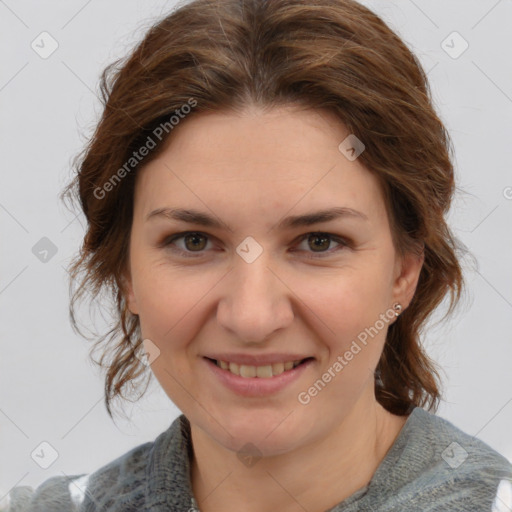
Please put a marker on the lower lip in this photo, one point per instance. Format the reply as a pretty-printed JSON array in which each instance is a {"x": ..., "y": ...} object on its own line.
[{"x": 257, "y": 386}]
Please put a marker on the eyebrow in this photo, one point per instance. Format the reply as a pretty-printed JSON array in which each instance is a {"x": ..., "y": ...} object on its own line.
[{"x": 192, "y": 216}]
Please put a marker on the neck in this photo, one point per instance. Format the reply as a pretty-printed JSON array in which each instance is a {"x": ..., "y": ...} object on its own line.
[{"x": 316, "y": 476}]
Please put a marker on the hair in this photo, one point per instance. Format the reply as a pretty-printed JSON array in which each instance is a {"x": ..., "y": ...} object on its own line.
[{"x": 230, "y": 55}]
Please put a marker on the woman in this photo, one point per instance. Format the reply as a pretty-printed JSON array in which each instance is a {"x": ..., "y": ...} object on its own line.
[{"x": 266, "y": 196}]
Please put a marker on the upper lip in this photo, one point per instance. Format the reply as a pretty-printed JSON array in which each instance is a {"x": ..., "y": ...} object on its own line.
[{"x": 257, "y": 360}]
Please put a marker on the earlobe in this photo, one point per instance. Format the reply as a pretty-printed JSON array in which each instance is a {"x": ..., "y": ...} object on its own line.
[
  {"x": 131, "y": 303},
  {"x": 409, "y": 269}
]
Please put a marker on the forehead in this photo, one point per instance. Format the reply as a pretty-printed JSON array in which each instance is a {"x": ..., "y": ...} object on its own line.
[{"x": 258, "y": 161}]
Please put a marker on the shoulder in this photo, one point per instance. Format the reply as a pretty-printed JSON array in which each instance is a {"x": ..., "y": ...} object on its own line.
[
  {"x": 440, "y": 467},
  {"x": 122, "y": 480},
  {"x": 455, "y": 451},
  {"x": 150, "y": 473},
  {"x": 58, "y": 494}
]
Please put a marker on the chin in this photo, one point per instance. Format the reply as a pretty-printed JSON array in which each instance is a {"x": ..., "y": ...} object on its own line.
[
  {"x": 255, "y": 445},
  {"x": 267, "y": 433}
]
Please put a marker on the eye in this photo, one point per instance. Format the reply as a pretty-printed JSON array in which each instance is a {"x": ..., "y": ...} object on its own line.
[
  {"x": 323, "y": 241},
  {"x": 196, "y": 242}
]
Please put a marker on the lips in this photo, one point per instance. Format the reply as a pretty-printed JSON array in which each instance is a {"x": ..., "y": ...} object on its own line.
[
  {"x": 264, "y": 371},
  {"x": 257, "y": 386}
]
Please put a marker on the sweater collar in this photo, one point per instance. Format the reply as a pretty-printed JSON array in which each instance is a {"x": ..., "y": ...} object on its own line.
[{"x": 168, "y": 482}]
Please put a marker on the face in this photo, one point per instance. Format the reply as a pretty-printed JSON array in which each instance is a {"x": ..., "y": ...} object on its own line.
[{"x": 252, "y": 287}]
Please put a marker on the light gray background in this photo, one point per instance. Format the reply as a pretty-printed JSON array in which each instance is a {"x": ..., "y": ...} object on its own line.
[{"x": 50, "y": 392}]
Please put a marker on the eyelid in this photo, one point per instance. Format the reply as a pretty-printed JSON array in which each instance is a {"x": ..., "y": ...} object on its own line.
[
  {"x": 167, "y": 242},
  {"x": 342, "y": 241}
]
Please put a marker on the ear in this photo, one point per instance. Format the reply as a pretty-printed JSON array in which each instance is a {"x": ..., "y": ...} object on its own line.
[
  {"x": 406, "y": 277},
  {"x": 127, "y": 289}
]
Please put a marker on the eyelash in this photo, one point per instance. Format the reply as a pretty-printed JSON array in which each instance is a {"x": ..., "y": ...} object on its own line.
[{"x": 190, "y": 254}]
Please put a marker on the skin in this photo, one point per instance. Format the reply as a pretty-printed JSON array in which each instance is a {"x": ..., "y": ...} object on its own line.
[{"x": 251, "y": 170}]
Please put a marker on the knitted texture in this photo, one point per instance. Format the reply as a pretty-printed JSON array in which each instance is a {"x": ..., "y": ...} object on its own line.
[{"x": 431, "y": 466}]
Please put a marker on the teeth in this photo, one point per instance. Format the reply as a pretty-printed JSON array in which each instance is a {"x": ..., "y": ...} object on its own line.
[
  {"x": 263, "y": 372},
  {"x": 247, "y": 371},
  {"x": 277, "y": 368}
]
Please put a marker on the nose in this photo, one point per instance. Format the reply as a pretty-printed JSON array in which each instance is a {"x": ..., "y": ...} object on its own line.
[{"x": 255, "y": 301}]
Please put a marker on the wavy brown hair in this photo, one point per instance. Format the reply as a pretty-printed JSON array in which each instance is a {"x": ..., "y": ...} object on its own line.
[{"x": 228, "y": 55}]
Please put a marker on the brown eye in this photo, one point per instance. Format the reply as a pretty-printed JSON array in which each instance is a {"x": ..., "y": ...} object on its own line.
[
  {"x": 189, "y": 243},
  {"x": 318, "y": 244},
  {"x": 320, "y": 241},
  {"x": 194, "y": 241}
]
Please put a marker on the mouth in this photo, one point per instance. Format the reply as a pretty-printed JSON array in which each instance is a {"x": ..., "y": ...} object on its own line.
[{"x": 263, "y": 371}]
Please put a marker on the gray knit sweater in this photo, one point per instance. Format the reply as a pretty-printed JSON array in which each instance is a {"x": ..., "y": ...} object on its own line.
[{"x": 431, "y": 466}]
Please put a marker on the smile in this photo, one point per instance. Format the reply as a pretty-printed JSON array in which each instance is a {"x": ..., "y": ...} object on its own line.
[
  {"x": 263, "y": 372},
  {"x": 256, "y": 381}
]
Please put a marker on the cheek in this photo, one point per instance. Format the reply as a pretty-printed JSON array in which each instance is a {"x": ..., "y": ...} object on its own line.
[
  {"x": 347, "y": 300},
  {"x": 169, "y": 313},
  {"x": 347, "y": 311},
  {"x": 349, "y": 325},
  {"x": 171, "y": 305}
]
